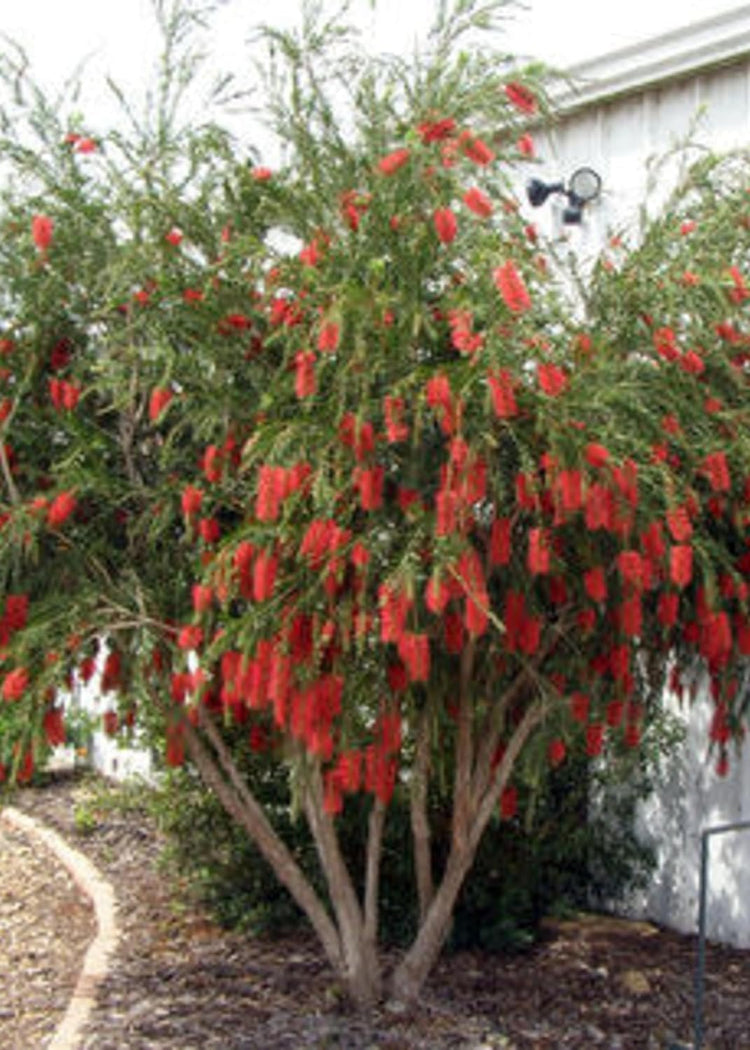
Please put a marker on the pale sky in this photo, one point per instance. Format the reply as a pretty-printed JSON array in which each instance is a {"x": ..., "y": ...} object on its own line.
[{"x": 117, "y": 36}]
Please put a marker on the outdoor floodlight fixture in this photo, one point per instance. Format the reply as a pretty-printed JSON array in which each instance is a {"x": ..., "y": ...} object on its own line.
[{"x": 584, "y": 186}]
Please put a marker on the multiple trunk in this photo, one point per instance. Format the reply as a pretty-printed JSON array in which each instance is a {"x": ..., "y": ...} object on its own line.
[{"x": 347, "y": 930}]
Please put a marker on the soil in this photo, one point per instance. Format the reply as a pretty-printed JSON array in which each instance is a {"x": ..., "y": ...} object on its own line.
[{"x": 179, "y": 982}]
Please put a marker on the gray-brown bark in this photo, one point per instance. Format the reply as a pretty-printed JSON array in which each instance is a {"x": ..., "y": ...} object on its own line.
[
  {"x": 411, "y": 973},
  {"x": 240, "y": 804},
  {"x": 420, "y": 824},
  {"x": 362, "y": 969}
]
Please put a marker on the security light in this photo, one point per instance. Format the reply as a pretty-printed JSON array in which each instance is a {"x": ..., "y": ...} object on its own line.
[{"x": 584, "y": 186}]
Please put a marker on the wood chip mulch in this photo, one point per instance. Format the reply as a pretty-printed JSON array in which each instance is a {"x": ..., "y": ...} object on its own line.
[{"x": 179, "y": 982}]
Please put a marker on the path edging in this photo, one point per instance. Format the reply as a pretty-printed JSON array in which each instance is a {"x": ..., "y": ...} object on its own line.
[{"x": 102, "y": 896}]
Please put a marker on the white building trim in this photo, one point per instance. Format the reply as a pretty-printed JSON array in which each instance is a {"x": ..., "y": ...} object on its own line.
[{"x": 685, "y": 52}]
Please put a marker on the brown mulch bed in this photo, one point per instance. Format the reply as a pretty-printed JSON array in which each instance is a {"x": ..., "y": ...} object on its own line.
[{"x": 178, "y": 982}]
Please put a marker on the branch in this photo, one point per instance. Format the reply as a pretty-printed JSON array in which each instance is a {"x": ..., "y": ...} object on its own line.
[
  {"x": 241, "y": 804},
  {"x": 376, "y": 826},
  {"x": 531, "y": 719},
  {"x": 15, "y": 496},
  {"x": 420, "y": 824},
  {"x": 464, "y": 749}
]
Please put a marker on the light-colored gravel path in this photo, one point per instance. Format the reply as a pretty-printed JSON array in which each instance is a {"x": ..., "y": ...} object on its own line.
[{"x": 47, "y": 890}]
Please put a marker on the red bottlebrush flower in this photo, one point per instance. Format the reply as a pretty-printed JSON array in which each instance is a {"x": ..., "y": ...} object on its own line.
[
  {"x": 476, "y": 149},
  {"x": 599, "y": 508},
  {"x": 272, "y": 486},
  {"x": 191, "y": 501},
  {"x": 398, "y": 680},
  {"x": 739, "y": 292},
  {"x": 665, "y": 344},
  {"x": 16, "y": 612},
  {"x": 569, "y": 490},
  {"x": 667, "y": 609},
  {"x": 556, "y": 752},
  {"x": 60, "y": 509},
  {"x": 596, "y": 455},
  {"x": 453, "y": 633},
  {"x": 446, "y": 225},
  {"x": 264, "y": 575},
  {"x": 110, "y": 723},
  {"x": 202, "y": 597},
  {"x": 209, "y": 530},
  {"x": 594, "y": 739},
  {"x": 652, "y": 541},
  {"x": 679, "y": 524},
  {"x": 261, "y": 173},
  {"x": 391, "y": 163},
  {"x": 414, "y": 650},
  {"x": 310, "y": 254},
  {"x": 552, "y": 379},
  {"x": 437, "y": 595},
  {"x": 716, "y": 469},
  {"x": 174, "y": 237},
  {"x": 687, "y": 228},
  {"x": 630, "y": 567},
  {"x": 476, "y": 619},
  {"x": 693, "y": 363},
  {"x": 190, "y": 637},
  {"x": 328, "y": 337},
  {"x": 525, "y": 146},
  {"x": 304, "y": 380},
  {"x": 595, "y": 584},
  {"x": 681, "y": 565},
  {"x": 15, "y": 684},
  {"x": 631, "y": 617},
  {"x": 193, "y": 295},
  {"x": 394, "y": 608},
  {"x": 370, "y": 485},
  {"x": 478, "y": 202},
  {"x": 174, "y": 754},
  {"x": 42, "y": 228},
  {"x": 508, "y": 803},
  {"x": 502, "y": 387},
  {"x": 500, "y": 540},
  {"x": 212, "y": 463},
  {"x": 510, "y": 284},
  {"x": 436, "y": 130},
  {"x": 539, "y": 554},
  {"x": 632, "y": 735},
  {"x": 54, "y": 727},
  {"x": 395, "y": 428},
  {"x": 722, "y": 764},
  {"x": 520, "y": 97},
  {"x": 615, "y": 713},
  {"x": 579, "y": 707}
]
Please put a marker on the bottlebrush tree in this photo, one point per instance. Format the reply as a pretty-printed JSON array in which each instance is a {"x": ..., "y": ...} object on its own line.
[{"x": 372, "y": 497}]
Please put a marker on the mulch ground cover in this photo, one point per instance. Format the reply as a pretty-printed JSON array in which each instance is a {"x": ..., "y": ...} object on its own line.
[{"x": 180, "y": 982}]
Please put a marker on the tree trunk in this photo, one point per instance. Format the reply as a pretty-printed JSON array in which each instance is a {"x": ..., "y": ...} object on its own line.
[
  {"x": 361, "y": 965},
  {"x": 420, "y": 825},
  {"x": 411, "y": 973},
  {"x": 469, "y": 825},
  {"x": 242, "y": 807}
]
